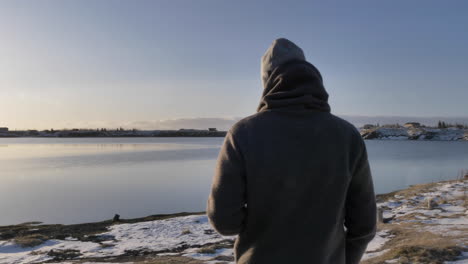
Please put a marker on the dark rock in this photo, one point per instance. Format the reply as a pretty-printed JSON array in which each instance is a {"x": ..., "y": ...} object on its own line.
[
  {"x": 65, "y": 254},
  {"x": 7, "y": 235},
  {"x": 431, "y": 203},
  {"x": 429, "y": 135},
  {"x": 116, "y": 218},
  {"x": 387, "y": 220},
  {"x": 208, "y": 231},
  {"x": 224, "y": 258},
  {"x": 371, "y": 135}
]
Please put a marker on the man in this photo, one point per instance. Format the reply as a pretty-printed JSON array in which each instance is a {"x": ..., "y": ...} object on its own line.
[{"x": 292, "y": 177}]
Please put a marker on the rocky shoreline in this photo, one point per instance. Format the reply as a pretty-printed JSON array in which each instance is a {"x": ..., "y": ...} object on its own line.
[
  {"x": 415, "y": 133},
  {"x": 386, "y": 132},
  {"x": 424, "y": 223}
]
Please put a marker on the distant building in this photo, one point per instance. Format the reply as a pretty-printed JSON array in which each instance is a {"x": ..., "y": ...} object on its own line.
[
  {"x": 3, "y": 129},
  {"x": 412, "y": 125},
  {"x": 212, "y": 129},
  {"x": 32, "y": 132}
]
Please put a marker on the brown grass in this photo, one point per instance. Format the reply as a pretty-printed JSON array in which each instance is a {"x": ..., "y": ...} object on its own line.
[
  {"x": 412, "y": 246},
  {"x": 413, "y": 190},
  {"x": 186, "y": 232},
  {"x": 83, "y": 232},
  {"x": 30, "y": 240},
  {"x": 418, "y": 254},
  {"x": 172, "y": 260},
  {"x": 211, "y": 249}
]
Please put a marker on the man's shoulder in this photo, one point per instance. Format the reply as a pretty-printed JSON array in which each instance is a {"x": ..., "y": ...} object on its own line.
[
  {"x": 347, "y": 128},
  {"x": 245, "y": 122},
  {"x": 263, "y": 116},
  {"x": 345, "y": 123}
]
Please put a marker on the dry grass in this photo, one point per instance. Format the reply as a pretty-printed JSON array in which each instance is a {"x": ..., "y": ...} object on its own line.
[
  {"x": 418, "y": 254},
  {"x": 186, "y": 232},
  {"x": 83, "y": 232},
  {"x": 30, "y": 240},
  {"x": 137, "y": 260},
  {"x": 172, "y": 260},
  {"x": 207, "y": 250},
  {"x": 211, "y": 249},
  {"x": 413, "y": 190},
  {"x": 410, "y": 245}
]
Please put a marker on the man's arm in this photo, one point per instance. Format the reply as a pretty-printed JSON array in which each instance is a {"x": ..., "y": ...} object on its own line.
[
  {"x": 226, "y": 203},
  {"x": 360, "y": 215}
]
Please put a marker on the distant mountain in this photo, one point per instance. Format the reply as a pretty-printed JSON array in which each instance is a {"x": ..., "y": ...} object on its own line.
[
  {"x": 225, "y": 123},
  {"x": 222, "y": 124}
]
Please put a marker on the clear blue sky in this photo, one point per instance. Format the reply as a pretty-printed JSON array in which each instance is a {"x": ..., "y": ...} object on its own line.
[{"x": 77, "y": 63}]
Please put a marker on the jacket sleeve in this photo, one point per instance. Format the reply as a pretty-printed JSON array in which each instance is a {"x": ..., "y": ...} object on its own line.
[
  {"x": 226, "y": 203},
  {"x": 360, "y": 212}
]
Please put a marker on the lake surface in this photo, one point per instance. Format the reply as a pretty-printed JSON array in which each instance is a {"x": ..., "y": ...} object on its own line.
[{"x": 75, "y": 180}]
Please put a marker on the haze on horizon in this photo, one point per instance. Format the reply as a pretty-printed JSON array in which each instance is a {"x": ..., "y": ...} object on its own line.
[{"x": 107, "y": 63}]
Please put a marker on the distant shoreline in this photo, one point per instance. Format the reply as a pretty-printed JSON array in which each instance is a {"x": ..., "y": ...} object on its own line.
[
  {"x": 419, "y": 133},
  {"x": 76, "y": 133},
  {"x": 409, "y": 131}
]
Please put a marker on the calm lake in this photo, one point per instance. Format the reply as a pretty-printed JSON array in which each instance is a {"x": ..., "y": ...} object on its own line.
[{"x": 75, "y": 180}]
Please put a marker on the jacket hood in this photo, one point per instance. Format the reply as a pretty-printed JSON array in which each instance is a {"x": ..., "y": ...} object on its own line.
[{"x": 290, "y": 81}]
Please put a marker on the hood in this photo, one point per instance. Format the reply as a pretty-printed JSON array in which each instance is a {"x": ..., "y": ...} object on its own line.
[{"x": 290, "y": 81}]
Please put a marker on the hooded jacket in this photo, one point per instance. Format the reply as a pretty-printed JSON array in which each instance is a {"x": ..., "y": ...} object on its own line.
[{"x": 293, "y": 181}]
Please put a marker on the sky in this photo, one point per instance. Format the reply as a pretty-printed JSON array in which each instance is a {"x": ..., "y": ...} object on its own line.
[{"x": 66, "y": 64}]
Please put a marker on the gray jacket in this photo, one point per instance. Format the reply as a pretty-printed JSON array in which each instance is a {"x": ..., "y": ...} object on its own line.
[{"x": 291, "y": 177}]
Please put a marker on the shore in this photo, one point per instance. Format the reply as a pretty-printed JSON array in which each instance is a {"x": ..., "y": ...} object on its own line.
[
  {"x": 415, "y": 133},
  {"x": 385, "y": 132},
  {"x": 424, "y": 223},
  {"x": 86, "y": 133}
]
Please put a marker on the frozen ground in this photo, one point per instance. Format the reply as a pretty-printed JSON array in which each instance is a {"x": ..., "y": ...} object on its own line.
[
  {"x": 165, "y": 236},
  {"x": 447, "y": 214},
  {"x": 192, "y": 236},
  {"x": 440, "y": 210},
  {"x": 162, "y": 236}
]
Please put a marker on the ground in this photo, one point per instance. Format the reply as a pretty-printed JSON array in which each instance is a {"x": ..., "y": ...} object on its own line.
[
  {"x": 422, "y": 224},
  {"x": 425, "y": 224}
]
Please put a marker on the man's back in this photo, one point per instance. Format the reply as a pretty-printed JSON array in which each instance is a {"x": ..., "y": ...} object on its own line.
[{"x": 288, "y": 179}]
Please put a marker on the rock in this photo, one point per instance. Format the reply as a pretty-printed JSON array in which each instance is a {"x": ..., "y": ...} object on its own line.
[
  {"x": 371, "y": 135},
  {"x": 224, "y": 258},
  {"x": 431, "y": 203},
  {"x": 387, "y": 220},
  {"x": 63, "y": 254},
  {"x": 208, "y": 231},
  {"x": 116, "y": 218},
  {"x": 429, "y": 135},
  {"x": 380, "y": 215}
]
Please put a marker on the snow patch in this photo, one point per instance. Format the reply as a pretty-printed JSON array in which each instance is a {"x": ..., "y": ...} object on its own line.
[{"x": 158, "y": 235}]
